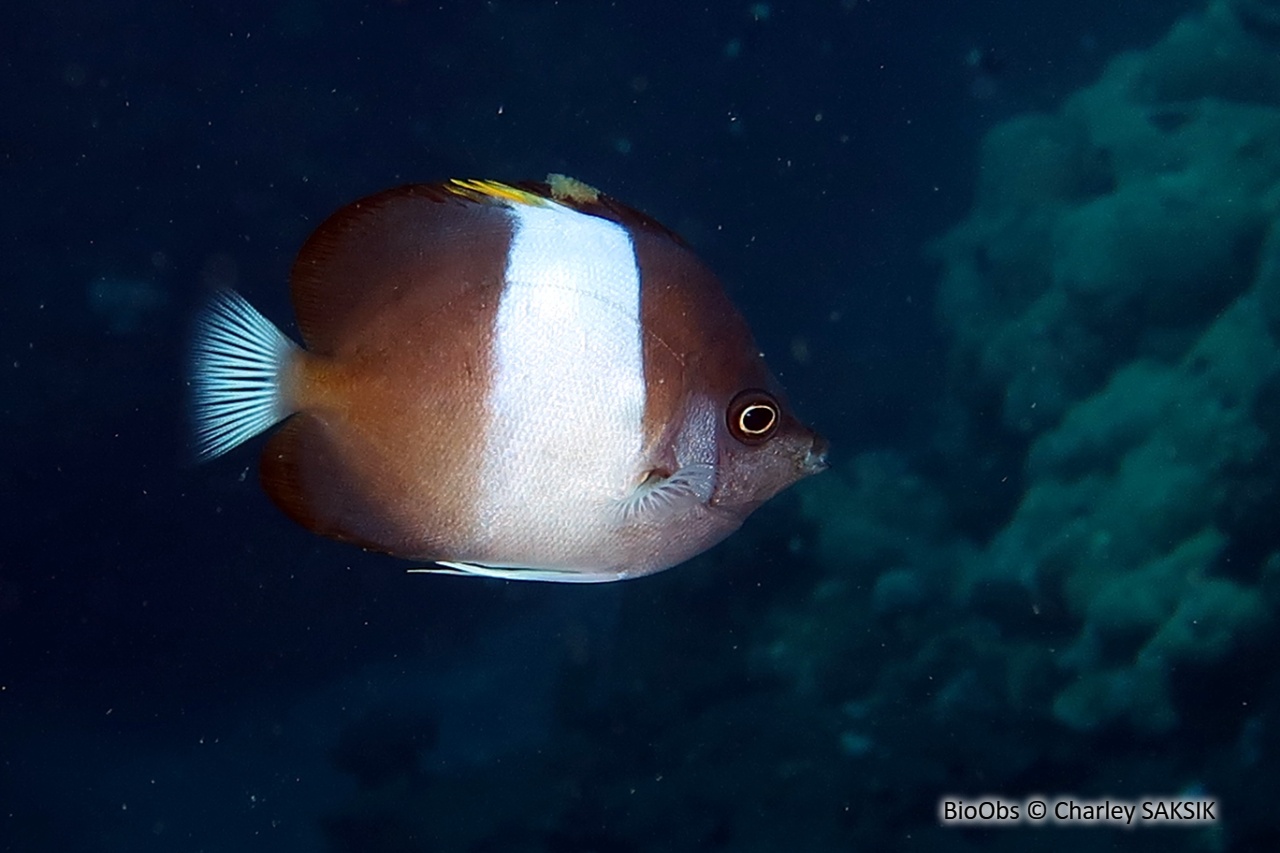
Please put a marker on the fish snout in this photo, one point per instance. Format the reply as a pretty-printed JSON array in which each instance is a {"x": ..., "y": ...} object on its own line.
[{"x": 815, "y": 460}]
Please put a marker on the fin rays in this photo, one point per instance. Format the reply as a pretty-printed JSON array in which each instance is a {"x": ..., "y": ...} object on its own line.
[
  {"x": 236, "y": 363},
  {"x": 657, "y": 499}
]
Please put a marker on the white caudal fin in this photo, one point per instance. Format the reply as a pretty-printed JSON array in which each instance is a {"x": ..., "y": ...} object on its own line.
[{"x": 236, "y": 364}]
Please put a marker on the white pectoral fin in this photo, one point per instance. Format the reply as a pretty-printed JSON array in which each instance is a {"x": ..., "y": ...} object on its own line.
[
  {"x": 659, "y": 497},
  {"x": 451, "y": 567}
]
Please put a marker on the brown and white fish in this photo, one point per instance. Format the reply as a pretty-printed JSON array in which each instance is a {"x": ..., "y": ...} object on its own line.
[{"x": 525, "y": 381}]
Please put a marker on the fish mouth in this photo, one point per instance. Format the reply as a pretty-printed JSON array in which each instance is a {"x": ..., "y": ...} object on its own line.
[{"x": 815, "y": 460}]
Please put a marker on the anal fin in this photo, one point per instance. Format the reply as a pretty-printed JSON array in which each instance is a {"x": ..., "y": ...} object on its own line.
[
  {"x": 305, "y": 475},
  {"x": 454, "y": 567}
]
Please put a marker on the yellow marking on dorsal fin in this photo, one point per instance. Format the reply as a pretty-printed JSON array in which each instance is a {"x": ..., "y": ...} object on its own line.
[
  {"x": 565, "y": 188},
  {"x": 472, "y": 188}
]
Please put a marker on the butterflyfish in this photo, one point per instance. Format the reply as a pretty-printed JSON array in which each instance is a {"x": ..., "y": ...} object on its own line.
[{"x": 527, "y": 381}]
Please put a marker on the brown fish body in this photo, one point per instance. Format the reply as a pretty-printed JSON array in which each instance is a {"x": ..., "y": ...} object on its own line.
[{"x": 505, "y": 381}]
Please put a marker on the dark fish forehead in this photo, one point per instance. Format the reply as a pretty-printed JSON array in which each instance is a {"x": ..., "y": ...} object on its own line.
[{"x": 695, "y": 339}]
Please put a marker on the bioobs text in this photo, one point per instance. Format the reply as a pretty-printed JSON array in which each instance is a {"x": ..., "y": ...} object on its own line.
[{"x": 1069, "y": 810}]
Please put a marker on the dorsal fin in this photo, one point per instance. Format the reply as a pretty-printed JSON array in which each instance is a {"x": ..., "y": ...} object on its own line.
[
  {"x": 444, "y": 236},
  {"x": 587, "y": 199},
  {"x": 374, "y": 251},
  {"x": 567, "y": 191}
]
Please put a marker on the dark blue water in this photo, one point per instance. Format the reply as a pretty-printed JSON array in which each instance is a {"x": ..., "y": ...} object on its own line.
[{"x": 1044, "y": 562}]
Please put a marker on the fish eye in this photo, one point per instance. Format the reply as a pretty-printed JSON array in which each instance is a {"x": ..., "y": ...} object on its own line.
[{"x": 753, "y": 416}]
